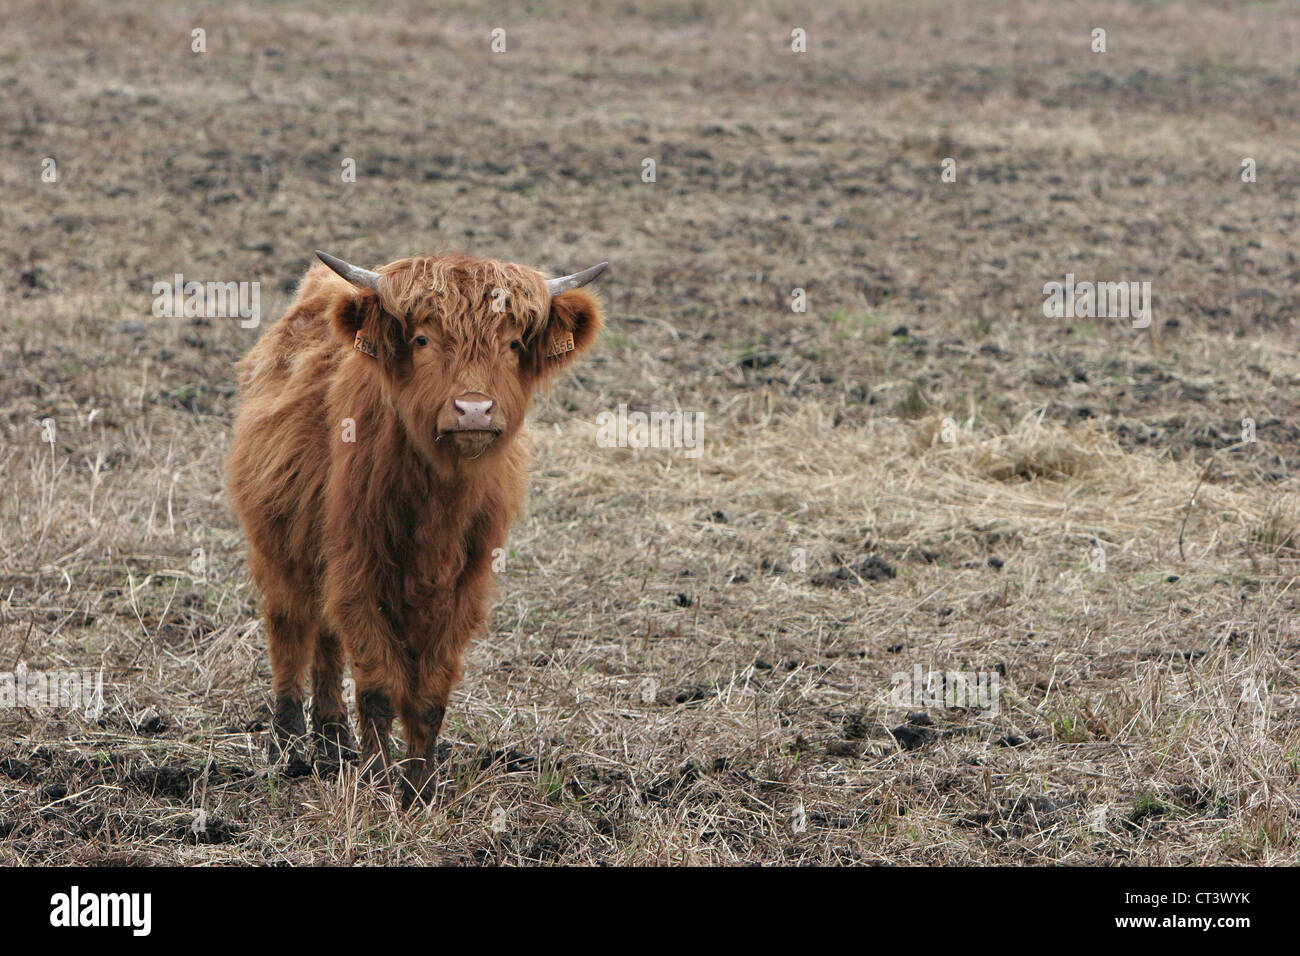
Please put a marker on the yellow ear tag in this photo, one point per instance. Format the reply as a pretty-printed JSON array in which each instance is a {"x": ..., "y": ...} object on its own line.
[
  {"x": 363, "y": 344},
  {"x": 561, "y": 344}
]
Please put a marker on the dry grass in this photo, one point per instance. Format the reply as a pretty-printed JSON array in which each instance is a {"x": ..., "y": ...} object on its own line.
[
  {"x": 680, "y": 694},
  {"x": 690, "y": 660}
]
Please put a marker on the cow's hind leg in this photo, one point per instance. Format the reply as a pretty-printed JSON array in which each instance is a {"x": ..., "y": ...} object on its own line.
[
  {"x": 329, "y": 716},
  {"x": 291, "y": 639}
]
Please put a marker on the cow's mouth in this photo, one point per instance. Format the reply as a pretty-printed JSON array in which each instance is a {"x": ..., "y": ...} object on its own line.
[{"x": 473, "y": 442}]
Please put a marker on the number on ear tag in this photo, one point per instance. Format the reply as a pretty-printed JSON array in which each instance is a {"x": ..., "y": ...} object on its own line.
[
  {"x": 561, "y": 344},
  {"x": 363, "y": 344}
]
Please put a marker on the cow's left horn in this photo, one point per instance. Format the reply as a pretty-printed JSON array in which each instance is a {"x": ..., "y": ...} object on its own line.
[
  {"x": 361, "y": 278},
  {"x": 565, "y": 283}
]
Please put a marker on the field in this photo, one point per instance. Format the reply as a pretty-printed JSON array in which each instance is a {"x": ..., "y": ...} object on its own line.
[{"x": 691, "y": 657}]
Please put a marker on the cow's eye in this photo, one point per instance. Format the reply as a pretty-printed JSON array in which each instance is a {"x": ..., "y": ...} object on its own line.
[
  {"x": 517, "y": 345},
  {"x": 421, "y": 341}
]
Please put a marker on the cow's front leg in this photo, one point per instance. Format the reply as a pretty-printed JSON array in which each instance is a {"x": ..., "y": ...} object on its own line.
[
  {"x": 375, "y": 710},
  {"x": 422, "y": 729},
  {"x": 288, "y": 732},
  {"x": 378, "y": 668}
]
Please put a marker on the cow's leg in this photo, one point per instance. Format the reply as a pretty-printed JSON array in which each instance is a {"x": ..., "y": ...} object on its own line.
[
  {"x": 422, "y": 728},
  {"x": 437, "y": 673},
  {"x": 375, "y": 710},
  {"x": 291, "y": 639},
  {"x": 379, "y": 668},
  {"x": 329, "y": 716}
]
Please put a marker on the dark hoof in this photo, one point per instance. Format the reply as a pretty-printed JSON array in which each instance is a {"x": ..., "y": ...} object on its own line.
[
  {"x": 418, "y": 785},
  {"x": 287, "y": 744},
  {"x": 290, "y": 754},
  {"x": 289, "y": 758},
  {"x": 334, "y": 743},
  {"x": 375, "y": 773}
]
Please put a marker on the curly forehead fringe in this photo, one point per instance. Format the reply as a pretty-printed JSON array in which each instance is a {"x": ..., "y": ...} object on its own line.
[{"x": 458, "y": 290}]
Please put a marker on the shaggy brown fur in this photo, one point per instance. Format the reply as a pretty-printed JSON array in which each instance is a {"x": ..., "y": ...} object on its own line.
[{"x": 371, "y": 520}]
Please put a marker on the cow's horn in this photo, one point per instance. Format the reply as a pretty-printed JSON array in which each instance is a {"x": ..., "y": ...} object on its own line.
[
  {"x": 565, "y": 283},
  {"x": 361, "y": 278}
]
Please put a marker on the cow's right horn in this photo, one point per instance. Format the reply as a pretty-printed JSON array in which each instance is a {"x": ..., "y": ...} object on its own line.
[
  {"x": 361, "y": 278},
  {"x": 565, "y": 283}
]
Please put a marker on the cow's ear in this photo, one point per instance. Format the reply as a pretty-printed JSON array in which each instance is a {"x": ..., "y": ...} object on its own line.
[
  {"x": 360, "y": 321},
  {"x": 576, "y": 319}
]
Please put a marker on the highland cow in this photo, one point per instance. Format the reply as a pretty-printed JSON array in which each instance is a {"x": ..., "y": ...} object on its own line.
[{"x": 378, "y": 459}]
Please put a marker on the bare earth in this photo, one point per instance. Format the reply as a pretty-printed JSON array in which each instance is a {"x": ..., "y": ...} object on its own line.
[{"x": 691, "y": 658}]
